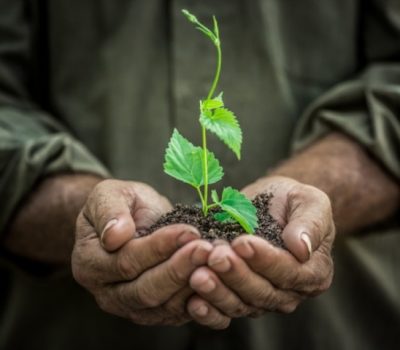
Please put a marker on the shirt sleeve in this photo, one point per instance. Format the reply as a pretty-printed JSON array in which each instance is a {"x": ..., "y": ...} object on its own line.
[
  {"x": 32, "y": 143},
  {"x": 367, "y": 108}
]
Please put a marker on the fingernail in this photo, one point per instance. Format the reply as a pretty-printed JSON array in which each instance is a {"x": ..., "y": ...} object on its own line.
[
  {"x": 245, "y": 250},
  {"x": 108, "y": 226},
  {"x": 208, "y": 286},
  {"x": 202, "y": 311},
  {"x": 200, "y": 255},
  {"x": 186, "y": 237},
  {"x": 306, "y": 239},
  {"x": 221, "y": 265}
]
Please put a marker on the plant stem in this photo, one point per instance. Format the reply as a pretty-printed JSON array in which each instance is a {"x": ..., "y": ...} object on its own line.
[
  {"x": 201, "y": 197},
  {"x": 205, "y": 170},
  {"x": 217, "y": 73},
  {"x": 203, "y": 129}
]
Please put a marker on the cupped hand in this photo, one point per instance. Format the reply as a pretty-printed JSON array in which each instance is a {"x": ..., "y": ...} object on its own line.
[
  {"x": 143, "y": 279},
  {"x": 250, "y": 276}
]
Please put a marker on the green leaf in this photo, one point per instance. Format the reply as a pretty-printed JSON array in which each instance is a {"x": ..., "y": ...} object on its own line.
[
  {"x": 184, "y": 162},
  {"x": 214, "y": 196},
  {"x": 207, "y": 32},
  {"x": 224, "y": 124},
  {"x": 240, "y": 208},
  {"x": 223, "y": 217},
  {"x": 212, "y": 104}
]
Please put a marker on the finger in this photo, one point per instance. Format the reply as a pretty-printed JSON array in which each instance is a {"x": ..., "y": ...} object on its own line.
[
  {"x": 205, "y": 314},
  {"x": 172, "y": 313},
  {"x": 253, "y": 289},
  {"x": 157, "y": 285},
  {"x": 309, "y": 221},
  {"x": 108, "y": 209},
  {"x": 93, "y": 266},
  {"x": 207, "y": 284},
  {"x": 176, "y": 305},
  {"x": 282, "y": 269}
]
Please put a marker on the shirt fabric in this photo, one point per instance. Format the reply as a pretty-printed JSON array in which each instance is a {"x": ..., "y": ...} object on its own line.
[{"x": 98, "y": 86}]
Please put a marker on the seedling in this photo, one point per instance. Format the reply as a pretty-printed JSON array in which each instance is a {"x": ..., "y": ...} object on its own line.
[{"x": 199, "y": 167}]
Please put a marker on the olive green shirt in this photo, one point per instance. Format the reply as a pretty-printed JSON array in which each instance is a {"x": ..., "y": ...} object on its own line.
[{"x": 98, "y": 86}]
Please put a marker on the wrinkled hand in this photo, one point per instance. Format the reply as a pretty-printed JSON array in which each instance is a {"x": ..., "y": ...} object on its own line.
[
  {"x": 250, "y": 276},
  {"x": 143, "y": 279}
]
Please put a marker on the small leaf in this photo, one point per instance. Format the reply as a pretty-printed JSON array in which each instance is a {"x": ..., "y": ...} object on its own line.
[
  {"x": 216, "y": 29},
  {"x": 219, "y": 97},
  {"x": 190, "y": 17},
  {"x": 224, "y": 124},
  {"x": 214, "y": 196},
  {"x": 238, "y": 206},
  {"x": 207, "y": 32},
  {"x": 184, "y": 161},
  {"x": 200, "y": 26},
  {"x": 223, "y": 217},
  {"x": 212, "y": 104}
]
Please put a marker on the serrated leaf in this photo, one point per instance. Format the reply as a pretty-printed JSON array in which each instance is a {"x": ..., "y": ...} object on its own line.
[
  {"x": 184, "y": 162},
  {"x": 223, "y": 217},
  {"x": 223, "y": 123},
  {"x": 238, "y": 206}
]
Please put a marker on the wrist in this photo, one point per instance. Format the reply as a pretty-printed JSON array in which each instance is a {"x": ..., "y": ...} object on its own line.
[
  {"x": 43, "y": 227},
  {"x": 361, "y": 191}
]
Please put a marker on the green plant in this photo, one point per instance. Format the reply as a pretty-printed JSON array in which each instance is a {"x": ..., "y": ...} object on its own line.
[{"x": 197, "y": 166}]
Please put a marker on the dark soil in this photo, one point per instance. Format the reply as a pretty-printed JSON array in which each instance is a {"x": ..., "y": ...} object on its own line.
[{"x": 211, "y": 229}]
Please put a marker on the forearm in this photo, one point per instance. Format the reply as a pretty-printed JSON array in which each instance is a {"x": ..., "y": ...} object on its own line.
[
  {"x": 361, "y": 191},
  {"x": 43, "y": 227}
]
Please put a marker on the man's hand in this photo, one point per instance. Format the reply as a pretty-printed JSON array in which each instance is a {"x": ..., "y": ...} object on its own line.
[
  {"x": 251, "y": 273},
  {"x": 146, "y": 279},
  {"x": 251, "y": 276}
]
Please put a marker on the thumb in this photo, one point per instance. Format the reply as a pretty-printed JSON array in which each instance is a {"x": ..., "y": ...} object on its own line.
[
  {"x": 108, "y": 209},
  {"x": 308, "y": 224},
  {"x": 298, "y": 240}
]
